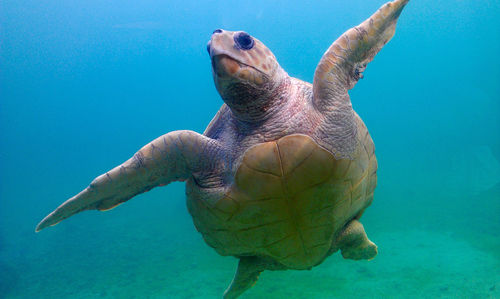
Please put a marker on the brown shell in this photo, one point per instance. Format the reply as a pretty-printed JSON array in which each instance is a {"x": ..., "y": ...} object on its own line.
[{"x": 289, "y": 199}]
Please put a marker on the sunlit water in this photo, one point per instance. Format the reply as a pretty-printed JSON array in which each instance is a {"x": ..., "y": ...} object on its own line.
[{"x": 83, "y": 85}]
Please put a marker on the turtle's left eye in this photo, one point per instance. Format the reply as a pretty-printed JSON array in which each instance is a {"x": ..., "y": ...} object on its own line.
[{"x": 243, "y": 40}]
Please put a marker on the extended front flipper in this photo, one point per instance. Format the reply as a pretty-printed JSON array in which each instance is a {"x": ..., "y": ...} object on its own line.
[
  {"x": 172, "y": 157},
  {"x": 344, "y": 62}
]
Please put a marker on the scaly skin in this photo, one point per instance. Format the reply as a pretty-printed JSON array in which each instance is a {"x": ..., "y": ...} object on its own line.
[{"x": 264, "y": 106}]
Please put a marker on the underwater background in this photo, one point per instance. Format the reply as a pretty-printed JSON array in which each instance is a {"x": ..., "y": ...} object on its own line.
[{"x": 85, "y": 84}]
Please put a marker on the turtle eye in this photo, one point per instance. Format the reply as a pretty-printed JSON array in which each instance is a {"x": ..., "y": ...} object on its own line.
[{"x": 243, "y": 41}]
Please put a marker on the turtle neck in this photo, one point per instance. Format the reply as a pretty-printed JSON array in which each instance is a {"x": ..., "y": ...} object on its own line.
[{"x": 251, "y": 103}]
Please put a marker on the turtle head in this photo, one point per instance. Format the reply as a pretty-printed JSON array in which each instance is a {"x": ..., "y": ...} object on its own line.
[{"x": 245, "y": 72}]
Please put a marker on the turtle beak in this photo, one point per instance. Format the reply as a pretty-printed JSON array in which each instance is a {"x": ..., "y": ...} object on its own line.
[
  {"x": 209, "y": 44},
  {"x": 208, "y": 47}
]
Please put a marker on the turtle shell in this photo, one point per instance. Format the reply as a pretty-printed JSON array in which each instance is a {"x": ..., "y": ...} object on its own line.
[{"x": 289, "y": 199}]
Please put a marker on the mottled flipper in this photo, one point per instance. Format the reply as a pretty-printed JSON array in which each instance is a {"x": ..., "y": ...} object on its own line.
[
  {"x": 344, "y": 62},
  {"x": 354, "y": 244},
  {"x": 171, "y": 157}
]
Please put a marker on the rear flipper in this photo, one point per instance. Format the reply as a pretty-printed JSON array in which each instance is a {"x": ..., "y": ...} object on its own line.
[
  {"x": 354, "y": 244},
  {"x": 249, "y": 269}
]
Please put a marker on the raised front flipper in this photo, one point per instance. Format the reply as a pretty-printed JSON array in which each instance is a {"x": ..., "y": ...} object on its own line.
[
  {"x": 171, "y": 157},
  {"x": 344, "y": 62}
]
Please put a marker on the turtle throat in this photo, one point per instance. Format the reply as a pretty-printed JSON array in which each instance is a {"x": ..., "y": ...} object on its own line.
[{"x": 255, "y": 103}]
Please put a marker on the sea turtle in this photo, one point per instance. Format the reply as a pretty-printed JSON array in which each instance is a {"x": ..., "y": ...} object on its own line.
[{"x": 284, "y": 171}]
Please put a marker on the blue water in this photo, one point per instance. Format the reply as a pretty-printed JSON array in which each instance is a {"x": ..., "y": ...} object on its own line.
[{"x": 84, "y": 84}]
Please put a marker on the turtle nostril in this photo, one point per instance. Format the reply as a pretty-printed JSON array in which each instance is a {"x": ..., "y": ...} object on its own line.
[
  {"x": 208, "y": 47},
  {"x": 217, "y": 31}
]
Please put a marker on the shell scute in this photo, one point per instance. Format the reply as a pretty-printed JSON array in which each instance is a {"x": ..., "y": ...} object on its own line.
[
  {"x": 294, "y": 150},
  {"x": 263, "y": 234},
  {"x": 264, "y": 159},
  {"x": 264, "y": 210},
  {"x": 225, "y": 208},
  {"x": 257, "y": 184},
  {"x": 318, "y": 170}
]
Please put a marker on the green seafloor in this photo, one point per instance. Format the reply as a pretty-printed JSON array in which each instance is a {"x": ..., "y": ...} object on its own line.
[{"x": 84, "y": 84}]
